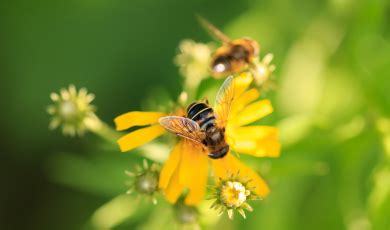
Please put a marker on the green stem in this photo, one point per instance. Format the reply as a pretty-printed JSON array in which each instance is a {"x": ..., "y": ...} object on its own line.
[
  {"x": 102, "y": 130},
  {"x": 191, "y": 87}
]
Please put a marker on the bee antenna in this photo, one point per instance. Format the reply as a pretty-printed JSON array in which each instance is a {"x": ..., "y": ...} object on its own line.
[{"x": 213, "y": 30}]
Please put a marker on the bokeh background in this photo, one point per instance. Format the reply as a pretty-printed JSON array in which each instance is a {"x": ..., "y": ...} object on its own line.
[{"x": 332, "y": 104}]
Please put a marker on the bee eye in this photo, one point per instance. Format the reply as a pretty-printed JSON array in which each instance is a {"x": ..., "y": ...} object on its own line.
[{"x": 221, "y": 64}]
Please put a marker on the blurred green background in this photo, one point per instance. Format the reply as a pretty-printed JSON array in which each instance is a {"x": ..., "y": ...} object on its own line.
[{"x": 332, "y": 104}]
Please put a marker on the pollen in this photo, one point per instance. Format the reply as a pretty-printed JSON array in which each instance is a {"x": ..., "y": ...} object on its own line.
[{"x": 234, "y": 194}]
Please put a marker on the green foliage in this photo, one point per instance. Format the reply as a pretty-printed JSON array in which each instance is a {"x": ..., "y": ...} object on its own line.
[{"x": 332, "y": 77}]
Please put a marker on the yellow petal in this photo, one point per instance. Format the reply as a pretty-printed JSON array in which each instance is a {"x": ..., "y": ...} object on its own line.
[
  {"x": 193, "y": 172},
  {"x": 252, "y": 132},
  {"x": 268, "y": 147},
  {"x": 170, "y": 166},
  {"x": 225, "y": 167},
  {"x": 241, "y": 83},
  {"x": 242, "y": 101},
  {"x": 140, "y": 137},
  {"x": 174, "y": 189},
  {"x": 136, "y": 118},
  {"x": 244, "y": 146},
  {"x": 259, "y": 141},
  {"x": 252, "y": 112}
]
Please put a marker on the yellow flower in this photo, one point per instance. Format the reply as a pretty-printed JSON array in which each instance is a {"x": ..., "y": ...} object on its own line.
[{"x": 187, "y": 165}]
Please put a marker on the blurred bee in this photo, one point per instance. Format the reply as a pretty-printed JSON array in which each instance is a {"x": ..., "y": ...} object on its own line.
[
  {"x": 237, "y": 55},
  {"x": 204, "y": 125},
  {"x": 234, "y": 55}
]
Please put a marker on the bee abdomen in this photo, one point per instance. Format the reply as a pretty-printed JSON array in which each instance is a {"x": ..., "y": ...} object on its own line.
[
  {"x": 221, "y": 64},
  {"x": 208, "y": 122},
  {"x": 195, "y": 108},
  {"x": 202, "y": 114},
  {"x": 219, "y": 153},
  {"x": 205, "y": 118}
]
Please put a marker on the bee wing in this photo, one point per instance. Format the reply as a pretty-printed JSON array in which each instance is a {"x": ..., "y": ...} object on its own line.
[
  {"x": 183, "y": 127},
  {"x": 214, "y": 31},
  {"x": 224, "y": 101}
]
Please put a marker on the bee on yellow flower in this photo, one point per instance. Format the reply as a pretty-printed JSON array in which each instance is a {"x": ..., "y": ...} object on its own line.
[{"x": 208, "y": 135}]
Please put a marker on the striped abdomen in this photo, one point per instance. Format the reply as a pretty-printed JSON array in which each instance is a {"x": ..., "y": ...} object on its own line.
[{"x": 202, "y": 114}]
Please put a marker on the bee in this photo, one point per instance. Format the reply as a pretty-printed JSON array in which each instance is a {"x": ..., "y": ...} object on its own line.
[
  {"x": 234, "y": 55},
  {"x": 204, "y": 125}
]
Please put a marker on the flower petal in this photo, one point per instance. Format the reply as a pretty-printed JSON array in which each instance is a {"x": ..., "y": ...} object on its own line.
[
  {"x": 174, "y": 189},
  {"x": 253, "y": 112},
  {"x": 268, "y": 147},
  {"x": 170, "y": 166},
  {"x": 244, "y": 146},
  {"x": 252, "y": 132},
  {"x": 136, "y": 118},
  {"x": 241, "y": 83},
  {"x": 193, "y": 172},
  {"x": 259, "y": 141},
  {"x": 242, "y": 101},
  {"x": 140, "y": 137},
  {"x": 225, "y": 167},
  {"x": 169, "y": 176}
]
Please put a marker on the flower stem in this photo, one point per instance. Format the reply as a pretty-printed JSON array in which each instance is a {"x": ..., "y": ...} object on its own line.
[
  {"x": 102, "y": 130},
  {"x": 191, "y": 87}
]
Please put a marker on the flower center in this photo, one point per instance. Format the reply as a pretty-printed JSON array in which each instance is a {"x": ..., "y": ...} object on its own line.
[
  {"x": 146, "y": 184},
  {"x": 234, "y": 194},
  {"x": 68, "y": 110}
]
